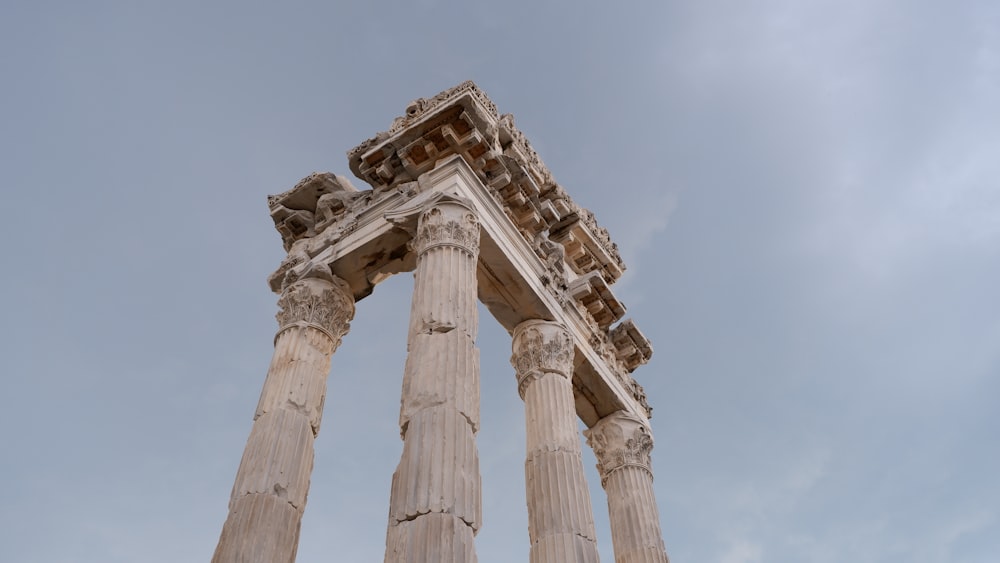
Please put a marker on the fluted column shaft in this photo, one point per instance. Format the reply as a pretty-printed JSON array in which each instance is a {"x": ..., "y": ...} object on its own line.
[
  {"x": 269, "y": 495},
  {"x": 622, "y": 443},
  {"x": 435, "y": 503},
  {"x": 560, "y": 517}
]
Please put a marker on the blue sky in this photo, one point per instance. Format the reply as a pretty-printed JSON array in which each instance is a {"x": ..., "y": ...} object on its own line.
[{"x": 807, "y": 196}]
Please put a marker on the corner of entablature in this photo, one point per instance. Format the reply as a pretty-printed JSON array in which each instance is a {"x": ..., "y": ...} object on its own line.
[
  {"x": 591, "y": 291},
  {"x": 463, "y": 122},
  {"x": 315, "y": 203},
  {"x": 632, "y": 347},
  {"x": 458, "y": 120},
  {"x": 405, "y": 216}
]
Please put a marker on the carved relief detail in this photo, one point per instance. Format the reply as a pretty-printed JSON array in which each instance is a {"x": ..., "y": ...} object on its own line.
[
  {"x": 601, "y": 342},
  {"x": 448, "y": 224},
  {"x": 288, "y": 271},
  {"x": 528, "y": 155},
  {"x": 554, "y": 256},
  {"x": 463, "y": 120},
  {"x": 420, "y": 106},
  {"x": 317, "y": 202},
  {"x": 602, "y": 235},
  {"x": 632, "y": 347},
  {"x": 620, "y": 440},
  {"x": 541, "y": 347},
  {"x": 576, "y": 259},
  {"x": 327, "y": 305}
]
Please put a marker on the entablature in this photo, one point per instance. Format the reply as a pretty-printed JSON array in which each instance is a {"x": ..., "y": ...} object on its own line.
[
  {"x": 464, "y": 121},
  {"x": 541, "y": 256},
  {"x": 594, "y": 295},
  {"x": 631, "y": 346}
]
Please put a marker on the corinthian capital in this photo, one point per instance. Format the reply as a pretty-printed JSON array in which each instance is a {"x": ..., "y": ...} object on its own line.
[
  {"x": 447, "y": 223},
  {"x": 619, "y": 440},
  {"x": 541, "y": 347},
  {"x": 326, "y": 304}
]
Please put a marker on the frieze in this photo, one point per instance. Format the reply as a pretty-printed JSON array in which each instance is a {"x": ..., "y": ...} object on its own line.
[
  {"x": 601, "y": 342},
  {"x": 288, "y": 271},
  {"x": 638, "y": 393},
  {"x": 577, "y": 259},
  {"x": 464, "y": 121},
  {"x": 554, "y": 257}
]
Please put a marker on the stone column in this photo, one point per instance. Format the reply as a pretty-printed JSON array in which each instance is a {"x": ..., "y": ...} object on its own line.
[
  {"x": 269, "y": 496},
  {"x": 435, "y": 506},
  {"x": 622, "y": 443},
  {"x": 560, "y": 517}
]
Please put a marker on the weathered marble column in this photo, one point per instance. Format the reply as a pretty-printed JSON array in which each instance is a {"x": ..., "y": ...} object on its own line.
[
  {"x": 560, "y": 517},
  {"x": 622, "y": 443},
  {"x": 435, "y": 506},
  {"x": 269, "y": 496}
]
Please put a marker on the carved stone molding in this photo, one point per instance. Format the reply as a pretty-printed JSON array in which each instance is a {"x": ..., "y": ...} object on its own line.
[
  {"x": 541, "y": 347},
  {"x": 326, "y": 304},
  {"x": 620, "y": 440},
  {"x": 601, "y": 342},
  {"x": 316, "y": 202},
  {"x": 464, "y": 121},
  {"x": 418, "y": 107},
  {"x": 593, "y": 293},
  {"x": 448, "y": 223},
  {"x": 451, "y": 177},
  {"x": 631, "y": 345}
]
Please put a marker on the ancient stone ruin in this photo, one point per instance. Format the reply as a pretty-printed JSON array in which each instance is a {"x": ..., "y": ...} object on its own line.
[{"x": 458, "y": 197}]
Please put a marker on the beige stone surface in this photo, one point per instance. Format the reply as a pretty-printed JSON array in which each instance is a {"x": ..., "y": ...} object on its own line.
[
  {"x": 623, "y": 443},
  {"x": 435, "y": 505},
  {"x": 278, "y": 458},
  {"x": 560, "y": 516},
  {"x": 438, "y": 471},
  {"x": 542, "y": 255},
  {"x": 260, "y": 528},
  {"x": 458, "y": 196},
  {"x": 272, "y": 482},
  {"x": 434, "y": 537}
]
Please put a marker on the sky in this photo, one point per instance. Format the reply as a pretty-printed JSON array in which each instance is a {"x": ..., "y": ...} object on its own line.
[{"x": 806, "y": 195}]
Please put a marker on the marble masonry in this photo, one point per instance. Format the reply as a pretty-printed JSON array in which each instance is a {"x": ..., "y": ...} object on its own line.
[{"x": 458, "y": 197}]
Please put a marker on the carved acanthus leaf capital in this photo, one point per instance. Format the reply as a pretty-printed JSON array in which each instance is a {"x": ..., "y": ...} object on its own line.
[
  {"x": 447, "y": 223},
  {"x": 541, "y": 347},
  {"x": 326, "y": 304},
  {"x": 619, "y": 440}
]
